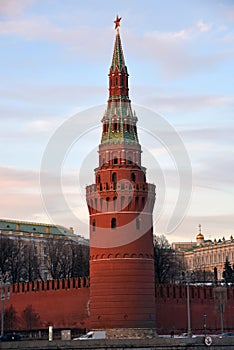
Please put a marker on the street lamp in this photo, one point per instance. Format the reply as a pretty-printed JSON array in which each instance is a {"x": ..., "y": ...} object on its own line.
[
  {"x": 5, "y": 294},
  {"x": 204, "y": 324},
  {"x": 186, "y": 279},
  {"x": 188, "y": 310}
]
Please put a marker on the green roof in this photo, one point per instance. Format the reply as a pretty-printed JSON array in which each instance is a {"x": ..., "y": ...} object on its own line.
[
  {"x": 118, "y": 56},
  {"x": 33, "y": 227}
]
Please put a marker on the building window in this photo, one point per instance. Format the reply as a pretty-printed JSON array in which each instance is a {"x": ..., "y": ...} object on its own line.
[
  {"x": 115, "y": 161},
  {"x": 94, "y": 225},
  {"x": 113, "y": 223}
]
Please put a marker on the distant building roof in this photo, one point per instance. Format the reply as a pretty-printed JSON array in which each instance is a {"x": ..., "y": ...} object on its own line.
[{"x": 39, "y": 228}]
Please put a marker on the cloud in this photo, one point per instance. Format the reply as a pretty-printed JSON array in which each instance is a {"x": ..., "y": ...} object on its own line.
[
  {"x": 17, "y": 180},
  {"x": 213, "y": 226},
  {"x": 172, "y": 50},
  {"x": 204, "y": 27},
  {"x": 52, "y": 94},
  {"x": 76, "y": 39},
  {"x": 14, "y": 7},
  {"x": 179, "y": 102}
]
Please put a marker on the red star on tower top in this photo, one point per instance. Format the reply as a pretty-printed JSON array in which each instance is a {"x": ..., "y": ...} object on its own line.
[{"x": 117, "y": 21}]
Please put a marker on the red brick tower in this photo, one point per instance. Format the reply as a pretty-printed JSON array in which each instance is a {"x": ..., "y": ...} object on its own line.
[{"x": 122, "y": 290}]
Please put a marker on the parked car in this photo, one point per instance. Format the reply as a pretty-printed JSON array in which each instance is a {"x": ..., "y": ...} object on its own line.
[
  {"x": 10, "y": 337},
  {"x": 92, "y": 335},
  {"x": 229, "y": 334},
  {"x": 184, "y": 335}
]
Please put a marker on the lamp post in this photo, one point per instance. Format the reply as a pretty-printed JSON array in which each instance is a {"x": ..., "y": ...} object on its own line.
[
  {"x": 5, "y": 293},
  {"x": 221, "y": 299},
  {"x": 186, "y": 279},
  {"x": 188, "y": 310},
  {"x": 204, "y": 324}
]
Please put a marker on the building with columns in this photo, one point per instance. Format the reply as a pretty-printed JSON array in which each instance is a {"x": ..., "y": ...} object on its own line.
[
  {"x": 38, "y": 234},
  {"x": 205, "y": 255}
]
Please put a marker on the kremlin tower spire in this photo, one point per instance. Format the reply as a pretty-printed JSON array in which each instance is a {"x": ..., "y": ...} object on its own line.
[
  {"x": 118, "y": 77},
  {"x": 120, "y": 203}
]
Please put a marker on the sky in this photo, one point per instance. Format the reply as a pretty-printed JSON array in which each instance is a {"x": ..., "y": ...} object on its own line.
[{"x": 55, "y": 57}]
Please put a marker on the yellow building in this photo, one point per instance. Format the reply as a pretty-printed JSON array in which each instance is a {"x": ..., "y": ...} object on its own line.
[{"x": 205, "y": 255}]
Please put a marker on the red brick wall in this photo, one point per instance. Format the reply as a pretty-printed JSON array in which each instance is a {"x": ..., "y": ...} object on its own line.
[
  {"x": 59, "y": 304},
  {"x": 65, "y": 305},
  {"x": 171, "y": 308}
]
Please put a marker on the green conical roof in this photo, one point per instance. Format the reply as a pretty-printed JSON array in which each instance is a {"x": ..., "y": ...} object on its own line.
[{"x": 118, "y": 56}]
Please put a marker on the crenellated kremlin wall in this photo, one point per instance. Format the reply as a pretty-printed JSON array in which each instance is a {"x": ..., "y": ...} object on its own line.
[{"x": 65, "y": 304}]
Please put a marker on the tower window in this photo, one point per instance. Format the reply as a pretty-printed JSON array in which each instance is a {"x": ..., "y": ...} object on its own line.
[
  {"x": 105, "y": 125},
  {"x": 113, "y": 223},
  {"x": 133, "y": 177},
  {"x": 115, "y": 161},
  {"x": 107, "y": 203},
  {"x": 114, "y": 180},
  {"x": 115, "y": 125},
  {"x": 114, "y": 177},
  {"x": 125, "y": 125},
  {"x": 94, "y": 225},
  {"x": 129, "y": 160},
  {"x": 138, "y": 223},
  {"x": 98, "y": 179},
  {"x": 116, "y": 81}
]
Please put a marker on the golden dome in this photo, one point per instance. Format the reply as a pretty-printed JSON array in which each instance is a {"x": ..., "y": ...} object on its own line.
[{"x": 199, "y": 235}]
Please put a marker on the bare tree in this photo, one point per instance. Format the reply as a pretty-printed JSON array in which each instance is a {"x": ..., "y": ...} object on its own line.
[
  {"x": 31, "y": 319},
  {"x": 6, "y": 246},
  {"x": 79, "y": 260},
  {"x": 167, "y": 263},
  {"x": 55, "y": 250},
  {"x": 10, "y": 318},
  {"x": 67, "y": 259},
  {"x": 15, "y": 262},
  {"x": 31, "y": 262},
  {"x": 22, "y": 259}
]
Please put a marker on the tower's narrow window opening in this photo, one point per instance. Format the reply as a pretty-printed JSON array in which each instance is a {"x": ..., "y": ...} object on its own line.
[
  {"x": 94, "y": 225},
  {"x": 113, "y": 223},
  {"x": 137, "y": 203},
  {"x": 133, "y": 177},
  {"x": 138, "y": 223},
  {"x": 107, "y": 203},
  {"x": 114, "y": 177},
  {"x": 115, "y": 125}
]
